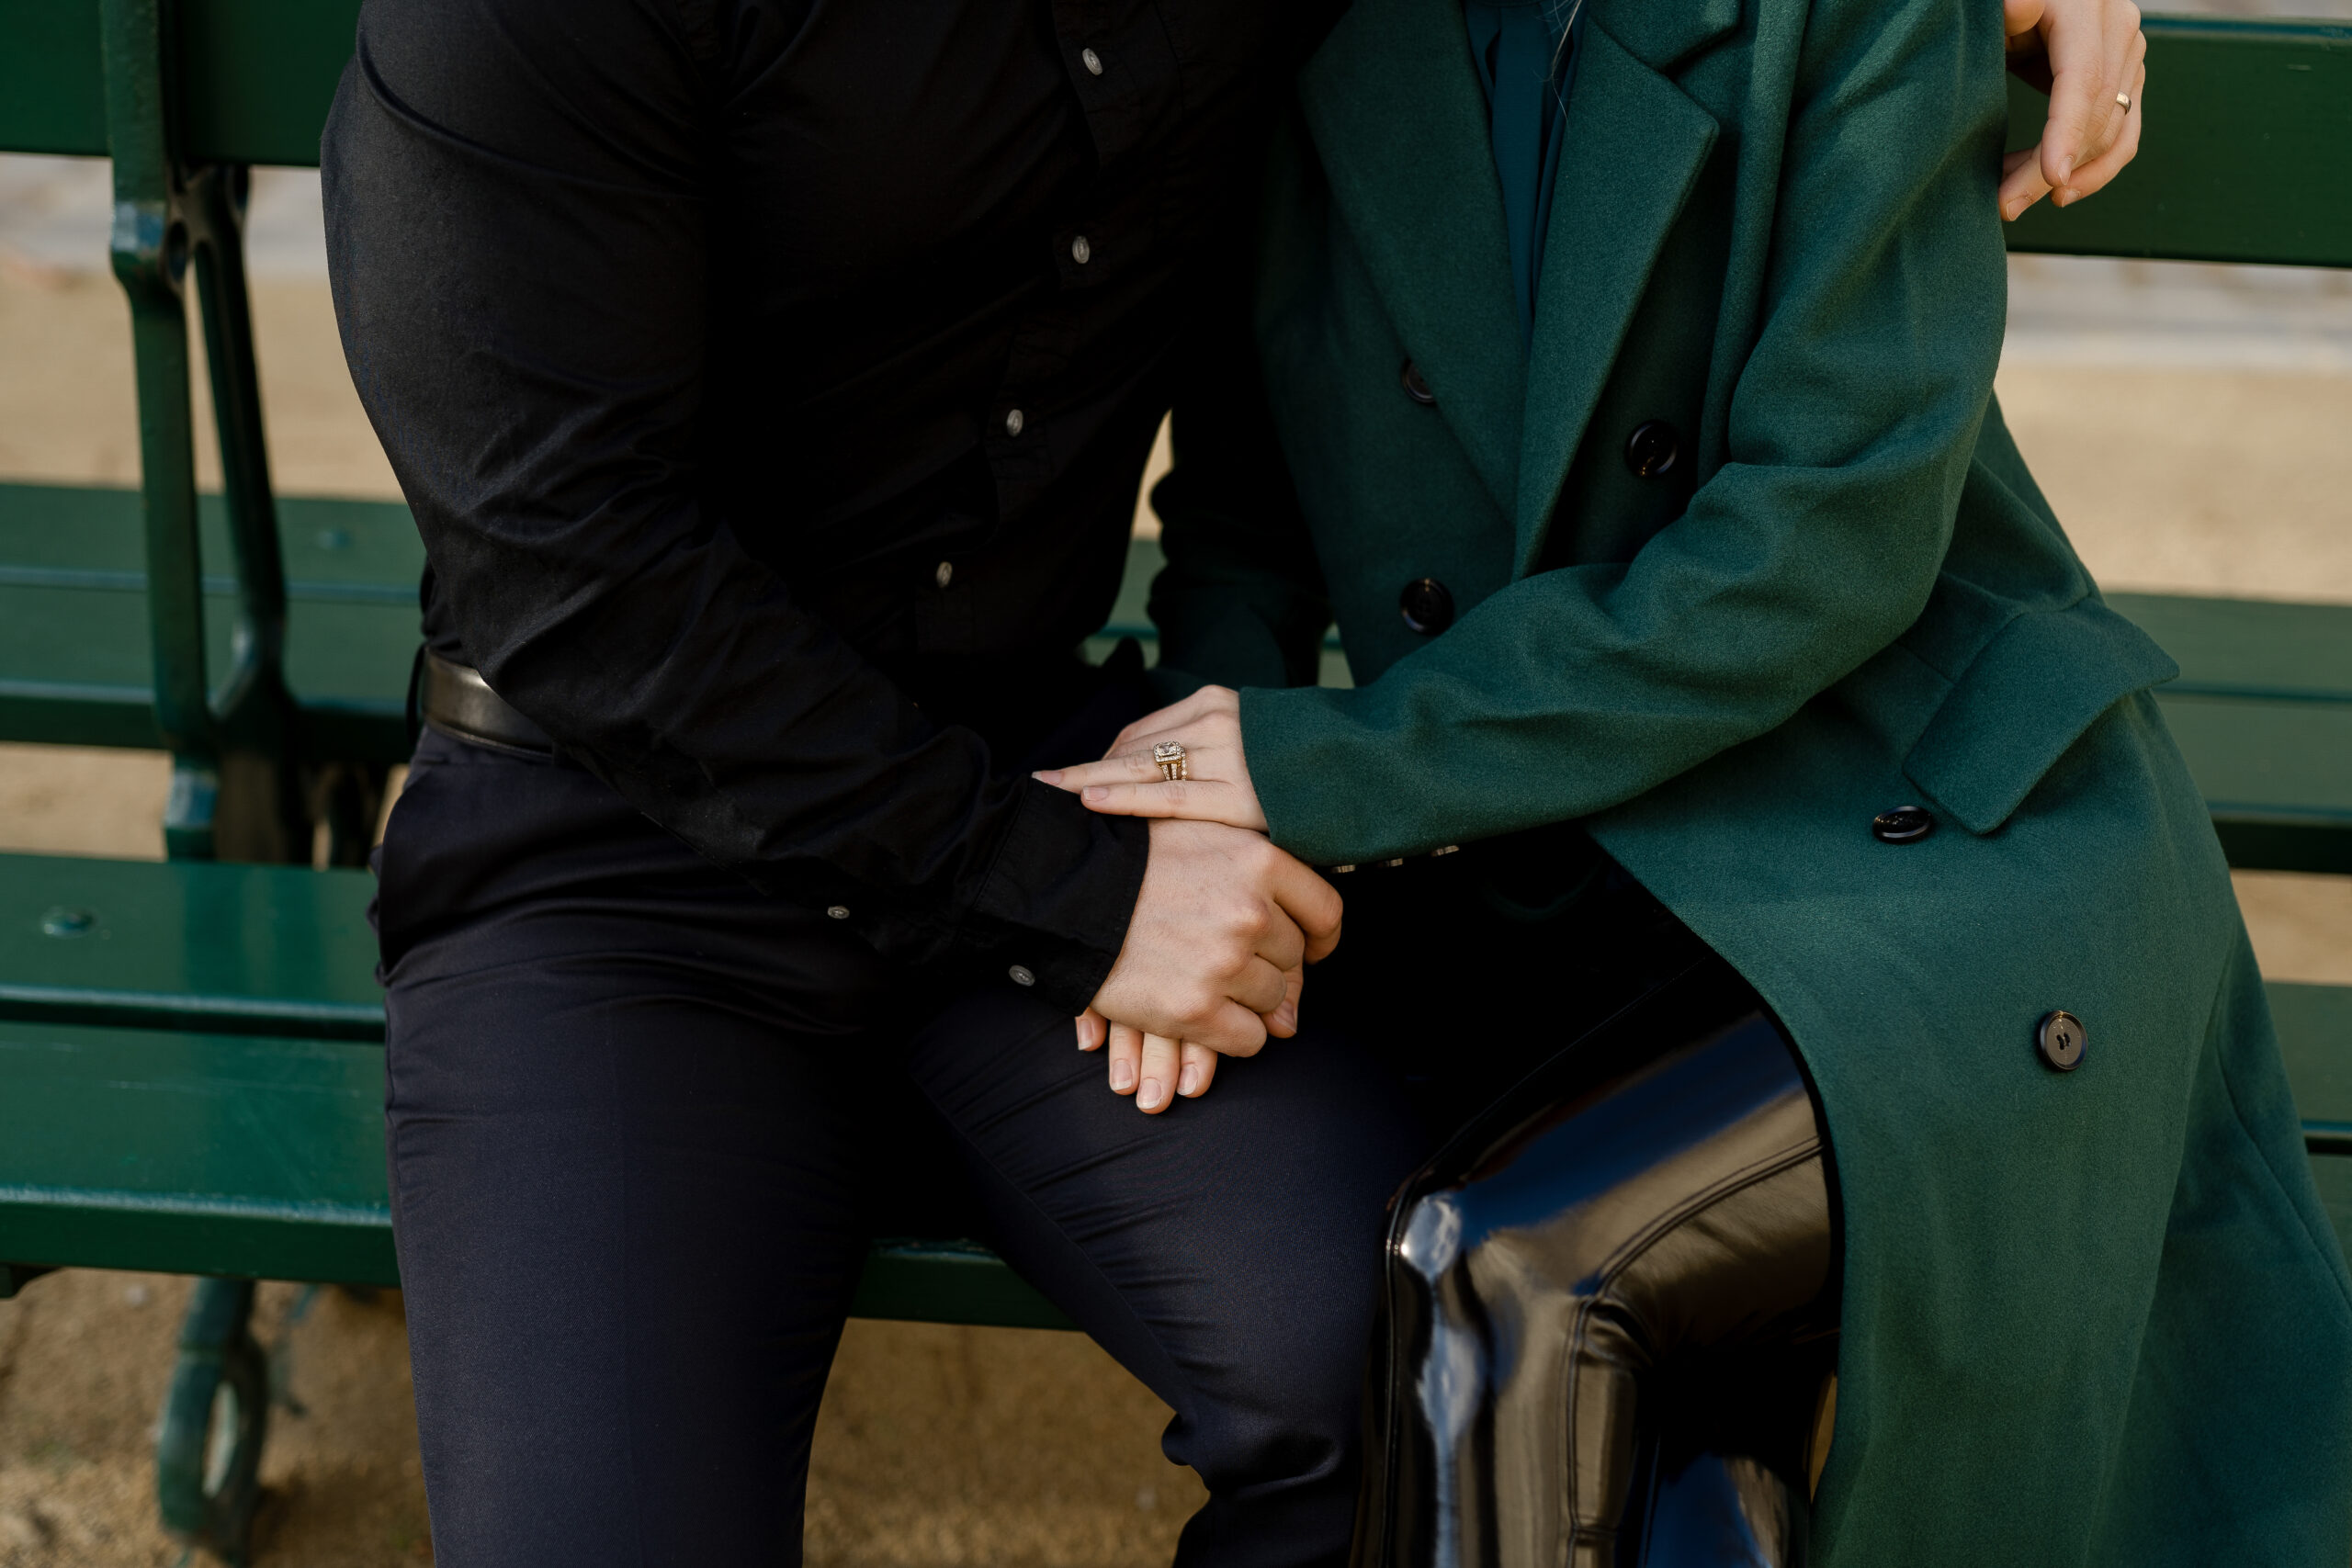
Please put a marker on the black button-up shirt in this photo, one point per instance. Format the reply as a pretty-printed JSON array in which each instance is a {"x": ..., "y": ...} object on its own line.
[{"x": 770, "y": 377}]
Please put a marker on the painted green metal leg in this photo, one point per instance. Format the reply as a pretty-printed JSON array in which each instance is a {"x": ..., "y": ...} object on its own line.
[
  {"x": 208, "y": 1457},
  {"x": 235, "y": 790}
]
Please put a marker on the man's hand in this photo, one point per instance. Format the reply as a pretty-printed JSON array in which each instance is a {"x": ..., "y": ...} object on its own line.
[
  {"x": 1213, "y": 957},
  {"x": 2083, "y": 53}
]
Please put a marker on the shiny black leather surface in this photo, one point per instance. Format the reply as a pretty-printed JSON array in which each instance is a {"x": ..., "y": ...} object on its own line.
[
  {"x": 1714, "y": 1510},
  {"x": 1608, "y": 1305}
]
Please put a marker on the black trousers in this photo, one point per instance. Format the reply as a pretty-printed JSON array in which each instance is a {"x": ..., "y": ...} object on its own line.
[{"x": 643, "y": 1120}]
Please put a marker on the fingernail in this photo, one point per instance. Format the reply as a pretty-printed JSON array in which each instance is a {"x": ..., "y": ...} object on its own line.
[
  {"x": 1047, "y": 775},
  {"x": 1151, "y": 1095},
  {"x": 1094, "y": 794},
  {"x": 1189, "y": 1083},
  {"x": 1123, "y": 1076}
]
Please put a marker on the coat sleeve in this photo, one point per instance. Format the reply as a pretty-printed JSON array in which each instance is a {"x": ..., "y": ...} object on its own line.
[
  {"x": 517, "y": 196},
  {"x": 1847, "y": 435}
]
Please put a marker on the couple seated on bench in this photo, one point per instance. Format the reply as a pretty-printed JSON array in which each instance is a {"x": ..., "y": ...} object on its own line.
[{"x": 1779, "y": 934}]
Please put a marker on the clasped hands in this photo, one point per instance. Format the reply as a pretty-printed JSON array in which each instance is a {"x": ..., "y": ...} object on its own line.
[{"x": 1225, "y": 923}]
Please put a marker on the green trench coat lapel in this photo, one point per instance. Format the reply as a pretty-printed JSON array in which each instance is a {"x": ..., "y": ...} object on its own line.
[
  {"x": 1631, "y": 153},
  {"x": 1392, "y": 104}
]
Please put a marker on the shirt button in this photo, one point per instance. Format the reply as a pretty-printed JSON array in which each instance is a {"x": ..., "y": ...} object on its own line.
[
  {"x": 1080, "y": 251},
  {"x": 1014, "y": 422},
  {"x": 1415, "y": 386},
  {"x": 1092, "y": 61},
  {"x": 1021, "y": 976},
  {"x": 838, "y": 912},
  {"x": 946, "y": 574},
  {"x": 2060, "y": 1038}
]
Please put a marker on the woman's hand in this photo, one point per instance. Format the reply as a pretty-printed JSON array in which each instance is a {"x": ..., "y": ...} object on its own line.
[
  {"x": 2082, "y": 53},
  {"x": 1216, "y": 786},
  {"x": 1145, "y": 1065}
]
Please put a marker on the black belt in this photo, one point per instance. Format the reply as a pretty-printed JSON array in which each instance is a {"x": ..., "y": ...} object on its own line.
[{"x": 455, "y": 700}]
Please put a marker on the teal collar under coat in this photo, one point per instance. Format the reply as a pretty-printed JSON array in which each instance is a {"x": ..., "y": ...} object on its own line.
[
  {"x": 1393, "y": 103},
  {"x": 1521, "y": 51}
]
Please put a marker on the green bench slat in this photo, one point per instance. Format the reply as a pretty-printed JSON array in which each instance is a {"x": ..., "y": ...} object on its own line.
[
  {"x": 252, "y": 949},
  {"x": 2276, "y": 775},
  {"x": 74, "y": 671},
  {"x": 2246, "y": 155},
  {"x": 258, "y": 76},
  {"x": 75, "y": 668},
  {"x": 2263, "y": 712},
  {"x": 219, "y": 1154},
  {"x": 949, "y": 1281},
  {"x": 193, "y": 1154},
  {"x": 91, "y": 537},
  {"x": 2248, "y": 648}
]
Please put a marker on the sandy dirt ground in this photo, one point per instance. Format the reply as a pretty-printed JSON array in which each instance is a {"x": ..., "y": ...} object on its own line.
[
  {"x": 936, "y": 1445},
  {"x": 2184, "y": 468}
]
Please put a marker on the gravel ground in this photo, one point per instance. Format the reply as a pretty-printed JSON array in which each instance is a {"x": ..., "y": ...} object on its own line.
[{"x": 2188, "y": 423}]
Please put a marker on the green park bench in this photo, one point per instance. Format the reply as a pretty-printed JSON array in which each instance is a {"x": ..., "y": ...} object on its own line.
[{"x": 191, "y": 1072}]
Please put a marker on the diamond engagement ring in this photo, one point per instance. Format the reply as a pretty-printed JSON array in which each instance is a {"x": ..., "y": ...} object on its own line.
[{"x": 1170, "y": 755}]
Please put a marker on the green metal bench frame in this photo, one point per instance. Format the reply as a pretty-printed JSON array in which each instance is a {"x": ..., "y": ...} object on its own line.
[{"x": 2248, "y": 160}]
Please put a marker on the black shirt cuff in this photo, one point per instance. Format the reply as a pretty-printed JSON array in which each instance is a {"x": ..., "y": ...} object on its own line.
[{"x": 1065, "y": 879}]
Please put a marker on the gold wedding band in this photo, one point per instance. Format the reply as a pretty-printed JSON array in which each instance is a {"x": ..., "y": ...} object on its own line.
[
  {"x": 1170, "y": 755},
  {"x": 2125, "y": 100}
]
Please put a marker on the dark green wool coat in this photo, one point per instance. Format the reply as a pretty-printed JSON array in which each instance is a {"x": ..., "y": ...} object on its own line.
[{"x": 2089, "y": 1318}]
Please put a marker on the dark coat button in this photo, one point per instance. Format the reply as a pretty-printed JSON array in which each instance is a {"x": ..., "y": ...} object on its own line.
[
  {"x": 1652, "y": 448},
  {"x": 1415, "y": 387},
  {"x": 1904, "y": 825},
  {"x": 2062, "y": 1039},
  {"x": 1427, "y": 606}
]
